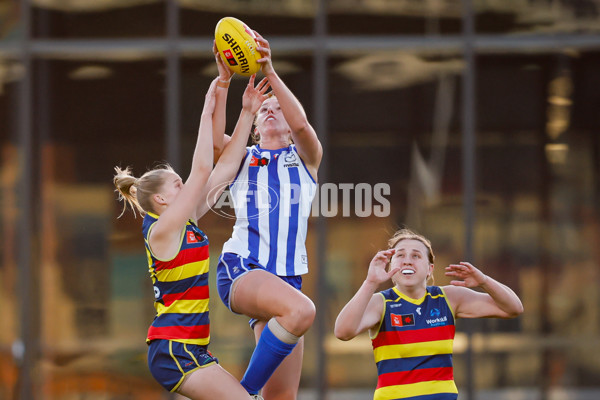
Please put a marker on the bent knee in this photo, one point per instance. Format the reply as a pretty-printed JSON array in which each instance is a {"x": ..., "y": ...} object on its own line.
[{"x": 301, "y": 316}]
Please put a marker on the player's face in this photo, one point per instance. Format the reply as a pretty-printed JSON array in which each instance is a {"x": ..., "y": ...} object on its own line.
[
  {"x": 270, "y": 119},
  {"x": 412, "y": 258},
  {"x": 171, "y": 187}
]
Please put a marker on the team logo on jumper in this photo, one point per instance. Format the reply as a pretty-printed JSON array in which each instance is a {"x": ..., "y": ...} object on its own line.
[
  {"x": 259, "y": 162},
  {"x": 403, "y": 319},
  {"x": 191, "y": 237},
  {"x": 156, "y": 292},
  {"x": 230, "y": 58}
]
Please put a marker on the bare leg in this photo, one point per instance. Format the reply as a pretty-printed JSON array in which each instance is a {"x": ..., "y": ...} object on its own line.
[
  {"x": 262, "y": 295},
  {"x": 211, "y": 383}
]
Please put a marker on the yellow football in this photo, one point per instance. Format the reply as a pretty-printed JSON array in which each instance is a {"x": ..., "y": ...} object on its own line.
[{"x": 237, "y": 47}]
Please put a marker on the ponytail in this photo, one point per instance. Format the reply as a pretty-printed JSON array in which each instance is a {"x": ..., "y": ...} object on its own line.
[
  {"x": 137, "y": 192},
  {"x": 126, "y": 188}
]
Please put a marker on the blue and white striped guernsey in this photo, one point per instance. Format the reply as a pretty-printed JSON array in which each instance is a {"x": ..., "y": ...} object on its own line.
[{"x": 272, "y": 196}]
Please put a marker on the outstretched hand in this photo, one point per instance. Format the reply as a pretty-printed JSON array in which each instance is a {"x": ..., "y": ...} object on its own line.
[
  {"x": 467, "y": 275},
  {"x": 254, "y": 96},
  {"x": 377, "y": 273},
  {"x": 264, "y": 49},
  {"x": 225, "y": 73}
]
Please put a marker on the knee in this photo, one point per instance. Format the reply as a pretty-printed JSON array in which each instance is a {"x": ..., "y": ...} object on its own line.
[{"x": 301, "y": 316}]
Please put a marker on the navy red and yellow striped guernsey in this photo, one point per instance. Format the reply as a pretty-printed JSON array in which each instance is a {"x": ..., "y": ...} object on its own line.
[
  {"x": 413, "y": 347},
  {"x": 180, "y": 288}
]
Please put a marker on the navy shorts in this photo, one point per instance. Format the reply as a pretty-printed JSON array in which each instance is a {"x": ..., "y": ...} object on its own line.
[
  {"x": 231, "y": 266},
  {"x": 171, "y": 361}
]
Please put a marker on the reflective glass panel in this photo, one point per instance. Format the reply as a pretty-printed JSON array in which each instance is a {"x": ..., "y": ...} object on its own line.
[
  {"x": 393, "y": 17},
  {"x": 10, "y": 27},
  {"x": 537, "y": 218},
  {"x": 546, "y": 17},
  {"x": 11, "y": 74},
  {"x": 58, "y": 19},
  {"x": 269, "y": 17},
  {"x": 94, "y": 113}
]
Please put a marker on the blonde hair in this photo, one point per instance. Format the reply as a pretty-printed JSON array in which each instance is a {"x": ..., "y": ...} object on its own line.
[
  {"x": 137, "y": 192},
  {"x": 407, "y": 234}
]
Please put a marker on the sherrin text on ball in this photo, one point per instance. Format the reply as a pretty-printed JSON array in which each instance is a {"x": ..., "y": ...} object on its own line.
[{"x": 237, "y": 46}]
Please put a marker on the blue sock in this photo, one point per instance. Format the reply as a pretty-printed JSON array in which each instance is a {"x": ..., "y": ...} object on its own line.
[{"x": 268, "y": 354}]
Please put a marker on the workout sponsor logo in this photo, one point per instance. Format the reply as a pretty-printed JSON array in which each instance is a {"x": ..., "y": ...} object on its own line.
[
  {"x": 403, "y": 320},
  {"x": 436, "y": 318}
]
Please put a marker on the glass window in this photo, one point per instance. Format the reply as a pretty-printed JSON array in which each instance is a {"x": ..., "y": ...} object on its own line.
[
  {"x": 10, "y": 27},
  {"x": 394, "y": 158},
  {"x": 393, "y": 17},
  {"x": 58, "y": 19},
  {"x": 96, "y": 298},
  {"x": 537, "y": 16},
  {"x": 11, "y": 74},
  {"x": 537, "y": 215},
  {"x": 269, "y": 17}
]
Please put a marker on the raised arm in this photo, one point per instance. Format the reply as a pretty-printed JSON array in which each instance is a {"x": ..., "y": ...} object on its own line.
[
  {"x": 304, "y": 136},
  {"x": 364, "y": 310},
  {"x": 165, "y": 235},
  {"x": 497, "y": 300},
  {"x": 229, "y": 162},
  {"x": 220, "y": 139}
]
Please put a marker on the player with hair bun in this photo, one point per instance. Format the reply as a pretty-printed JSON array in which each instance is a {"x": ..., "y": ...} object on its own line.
[
  {"x": 177, "y": 251},
  {"x": 411, "y": 325}
]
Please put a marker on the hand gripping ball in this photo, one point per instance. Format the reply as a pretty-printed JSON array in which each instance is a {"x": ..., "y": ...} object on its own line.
[{"x": 237, "y": 46}]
